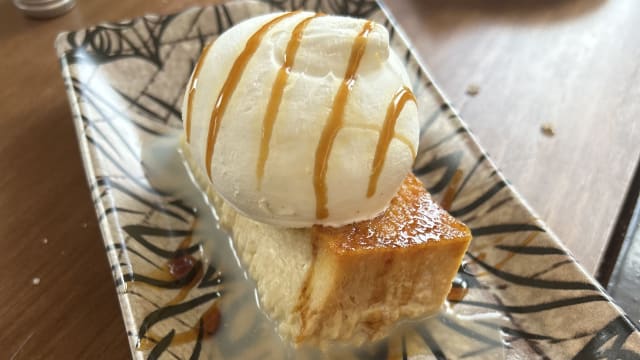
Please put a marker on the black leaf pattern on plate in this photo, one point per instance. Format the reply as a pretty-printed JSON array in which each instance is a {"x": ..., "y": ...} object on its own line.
[
  {"x": 514, "y": 269},
  {"x": 139, "y": 38}
]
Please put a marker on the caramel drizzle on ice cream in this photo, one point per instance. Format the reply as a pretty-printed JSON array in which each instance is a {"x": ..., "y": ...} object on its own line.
[
  {"x": 231, "y": 83},
  {"x": 335, "y": 121},
  {"x": 396, "y": 106},
  {"x": 192, "y": 90},
  {"x": 276, "y": 94}
]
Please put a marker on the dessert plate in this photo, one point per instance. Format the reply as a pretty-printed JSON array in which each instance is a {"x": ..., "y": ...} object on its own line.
[{"x": 181, "y": 288}]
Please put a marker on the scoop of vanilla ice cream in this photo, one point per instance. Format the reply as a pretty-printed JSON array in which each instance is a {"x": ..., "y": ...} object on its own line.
[{"x": 286, "y": 194}]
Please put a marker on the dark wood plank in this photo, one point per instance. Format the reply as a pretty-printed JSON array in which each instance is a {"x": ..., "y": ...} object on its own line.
[
  {"x": 619, "y": 270},
  {"x": 624, "y": 282},
  {"x": 615, "y": 258}
]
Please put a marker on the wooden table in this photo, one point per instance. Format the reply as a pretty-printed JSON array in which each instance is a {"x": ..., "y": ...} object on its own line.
[{"x": 571, "y": 64}]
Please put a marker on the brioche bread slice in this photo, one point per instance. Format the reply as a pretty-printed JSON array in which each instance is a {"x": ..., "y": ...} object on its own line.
[{"x": 353, "y": 283}]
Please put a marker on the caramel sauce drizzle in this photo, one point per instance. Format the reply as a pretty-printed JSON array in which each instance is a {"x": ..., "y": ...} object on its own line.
[
  {"x": 182, "y": 294},
  {"x": 457, "y": 294},
  {"x": 506, "y": 259},
  {"x": 451, "y": 190},
  {"x": 405, "y": 140},
  {"x": 192, "y": 89},
  {"x": 387, "y": 133},
  {"x": 276, "y": 94},
  {"x": 178, "y": 267},
  {"x": 231, "y": 83},
  {"x": 335, "y": 121},
  {"x": 459, "y": 290},
  {"x": 209, "y": 322},
  {"x": 374, "y": 127}
]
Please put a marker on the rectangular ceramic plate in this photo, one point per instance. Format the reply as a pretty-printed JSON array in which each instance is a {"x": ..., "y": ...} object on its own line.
[{"x": 525, "y": 297}]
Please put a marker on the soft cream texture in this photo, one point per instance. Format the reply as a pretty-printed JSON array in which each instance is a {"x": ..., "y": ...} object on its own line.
[{"x": 287, "y": 195}]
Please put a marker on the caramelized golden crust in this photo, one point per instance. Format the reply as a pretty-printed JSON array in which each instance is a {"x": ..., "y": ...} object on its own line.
[
  {"x": 412, "y": 218},
  {"x": 366, "y": 276}
]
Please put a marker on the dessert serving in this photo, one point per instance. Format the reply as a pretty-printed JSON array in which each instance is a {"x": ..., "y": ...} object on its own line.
[{"x": 302, "y": 129}]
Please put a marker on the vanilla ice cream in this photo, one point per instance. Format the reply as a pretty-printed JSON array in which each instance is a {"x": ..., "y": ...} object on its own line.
[{"x": 259, "y": 110}]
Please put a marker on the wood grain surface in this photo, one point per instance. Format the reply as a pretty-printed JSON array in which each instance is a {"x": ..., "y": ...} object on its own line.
[{"x": 572, "y": 64}]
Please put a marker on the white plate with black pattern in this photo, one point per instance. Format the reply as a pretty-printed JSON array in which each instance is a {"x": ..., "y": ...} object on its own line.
[{"x": 183, "y": 292}]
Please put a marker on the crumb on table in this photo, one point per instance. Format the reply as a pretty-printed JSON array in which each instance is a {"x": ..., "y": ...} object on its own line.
[
  {"x": 35, "y": 281},
  {"x": 473, "y": 90},
  {"x": 548, "y": 129}
]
